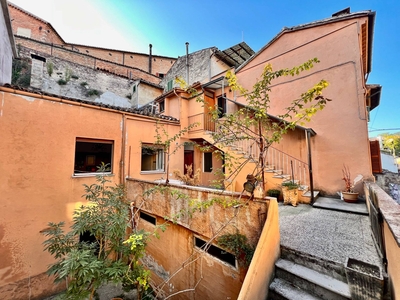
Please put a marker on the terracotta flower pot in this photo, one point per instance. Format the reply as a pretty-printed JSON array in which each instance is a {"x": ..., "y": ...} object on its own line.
[{"x": 350, "y": 197}]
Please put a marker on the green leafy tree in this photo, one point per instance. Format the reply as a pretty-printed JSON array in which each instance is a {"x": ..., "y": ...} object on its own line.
[
  {"x": 392, "y": 142},
  {"x": 252, "y": 121},
  {"x": 110, "y": 256}
]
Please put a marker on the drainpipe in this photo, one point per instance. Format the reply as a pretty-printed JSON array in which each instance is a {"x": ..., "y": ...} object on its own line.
[
  {"x": 308, "y": 135},
  {"x": 187, "y": 63},
  {"x": 150, "y": 57},
  {"x": 123, "y": 141}
]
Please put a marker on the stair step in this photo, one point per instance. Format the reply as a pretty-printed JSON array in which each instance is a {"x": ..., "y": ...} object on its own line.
[
  {"x": 281, "y": 289},
  {"x": 324, "y": 266},
  {"x": 308, "y": 194},
  {"x": 318, "y": 283}
]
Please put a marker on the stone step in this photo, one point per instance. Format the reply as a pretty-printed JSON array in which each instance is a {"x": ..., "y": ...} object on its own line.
[
  {"x": 316, "y": 283},
  {"x": 330, "y": 268},
  {"x": 308, "y": 194},
  {"x": 282, "y": 290}
]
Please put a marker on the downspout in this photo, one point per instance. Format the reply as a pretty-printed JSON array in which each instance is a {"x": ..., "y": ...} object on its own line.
[
  {"x": 150, "y": 57},
  {"x": 310, "y": 171},
  {"x": 123, "y": 140},
  {"x": 187, "y": 63}
]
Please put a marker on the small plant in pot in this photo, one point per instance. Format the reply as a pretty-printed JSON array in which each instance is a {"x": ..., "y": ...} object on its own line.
[
  {"x": 290, "y": 192},
  {"x": 349, "y": 194},
  {"x": 274, "y": 193}
]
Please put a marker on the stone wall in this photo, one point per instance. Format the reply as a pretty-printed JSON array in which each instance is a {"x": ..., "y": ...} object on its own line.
[
  {"x": 44, "y": 49},
  {"x": 84, "y": 83},
  {"x": 390, "y": 183}
]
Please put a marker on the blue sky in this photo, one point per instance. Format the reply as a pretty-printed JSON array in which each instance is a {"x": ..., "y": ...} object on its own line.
[{"x": 168, "y": 24}]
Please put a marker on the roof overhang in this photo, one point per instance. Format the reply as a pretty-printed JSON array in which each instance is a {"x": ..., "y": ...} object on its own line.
[{"x": 374, "y": 96}]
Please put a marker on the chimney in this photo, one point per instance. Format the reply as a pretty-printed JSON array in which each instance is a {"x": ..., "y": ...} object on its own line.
[
  {"x": 150, "y": 57},
  {"x": 187, "y": 63}
]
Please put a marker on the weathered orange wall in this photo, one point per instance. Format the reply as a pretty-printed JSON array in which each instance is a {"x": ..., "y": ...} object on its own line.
[
  {"x": 175, "y": 246},
  {"x": 261, "y": 270},
  {"x": 342, "y": 135},
  {"x": 36, "y": 171}
]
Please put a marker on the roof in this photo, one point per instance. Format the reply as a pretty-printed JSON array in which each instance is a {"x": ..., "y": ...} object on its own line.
[
  {"x": 49, "y": 96},
  {"x": 71, "y": 44},
  {"x": 341, "y": 16},
  {"x": 236, "y": 55},
  {"x": 375, "y": 95}
]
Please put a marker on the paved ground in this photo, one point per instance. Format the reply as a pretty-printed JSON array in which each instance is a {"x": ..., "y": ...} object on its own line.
[{"x": 328, "y": 234}]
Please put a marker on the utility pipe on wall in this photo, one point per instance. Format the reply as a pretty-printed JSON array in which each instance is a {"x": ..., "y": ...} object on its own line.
[
  {"x": 150, "y": 57},
  {"x": 187, "y": 63}
]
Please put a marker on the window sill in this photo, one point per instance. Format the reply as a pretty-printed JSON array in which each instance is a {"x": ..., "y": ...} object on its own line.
[
  {"x": 152, "y": 172},
  {"x": 94, "y": 174}
]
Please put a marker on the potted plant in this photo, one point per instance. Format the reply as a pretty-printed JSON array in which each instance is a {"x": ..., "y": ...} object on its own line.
[
  {"x": 290, "y": 192},
  {"x": 274, "y": 193},
  {"x": 349, "y": 194}
]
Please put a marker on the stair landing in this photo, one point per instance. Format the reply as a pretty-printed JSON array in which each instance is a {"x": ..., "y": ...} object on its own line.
[{"x": 327, "y": 234}]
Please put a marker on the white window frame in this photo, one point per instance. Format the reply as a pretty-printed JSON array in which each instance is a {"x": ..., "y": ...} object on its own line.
[
  {"x": 159, "y": 156},
  {"x": 92, "y": 156}
]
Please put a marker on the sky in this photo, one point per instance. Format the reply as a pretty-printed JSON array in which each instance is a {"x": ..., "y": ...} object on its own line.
[{"x": 132, "y": 25}]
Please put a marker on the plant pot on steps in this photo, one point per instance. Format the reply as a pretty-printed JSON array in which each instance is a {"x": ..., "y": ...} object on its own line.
[{"x": 350, "y": 197}]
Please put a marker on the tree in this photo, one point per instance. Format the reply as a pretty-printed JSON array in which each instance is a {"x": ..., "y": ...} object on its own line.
[
  {"x": 107, "y": 255},
  {"x": 252, "y": 121},
  {"x": 392, "y": 142}
]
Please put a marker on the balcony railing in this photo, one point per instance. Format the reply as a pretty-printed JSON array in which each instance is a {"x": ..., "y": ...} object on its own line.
[{"x": 204, "y": 120}]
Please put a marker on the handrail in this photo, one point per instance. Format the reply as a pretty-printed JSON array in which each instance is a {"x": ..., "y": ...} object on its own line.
[{"x": 274, "y": 158}]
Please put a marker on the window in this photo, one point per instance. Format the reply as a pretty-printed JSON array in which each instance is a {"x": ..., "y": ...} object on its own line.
[
  {"x": 221, "y": 106},
  {"x": 170, "y": 85},
  {"x": 161, "y": 75},
  {"x": 162, "y": 106},
  {"x": 148, "y": 218},
  {"x": 152, "y": 158},
  {"x": 90, "y": 153},
  {"x": 216, "y": 252},
  {"x": 207, "y": 162},
  {"x": 134, "y": 89}
]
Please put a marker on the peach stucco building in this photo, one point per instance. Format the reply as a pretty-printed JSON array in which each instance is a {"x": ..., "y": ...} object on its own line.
[{"x": 51, "y": 146}]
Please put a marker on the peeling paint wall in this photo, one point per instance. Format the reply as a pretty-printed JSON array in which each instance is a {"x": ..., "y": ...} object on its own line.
[{"x": 175, "y": 250}]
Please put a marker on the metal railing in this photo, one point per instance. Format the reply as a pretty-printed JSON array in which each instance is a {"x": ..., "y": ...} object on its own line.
[{"x": 278, "y": 160}]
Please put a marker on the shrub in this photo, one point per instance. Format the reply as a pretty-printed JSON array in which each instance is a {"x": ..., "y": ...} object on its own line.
[
  {"x": 92, "y": 92},
  {"x": 61, "y": 81},
  {"x": 108, "y": 256},
  {"x": 74, "y": 76},
  {"x": 189, "y": 178},
  {"x": 84, "y": 83},
  {"x": 50, "y": 67}
]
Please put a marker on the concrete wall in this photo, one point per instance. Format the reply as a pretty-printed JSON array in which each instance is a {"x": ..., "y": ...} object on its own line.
[
  {"x": 391, "y": 235},
  {"x": 202, "y": 67},
  {"x": 175, "y": 249},
  {"x": 7, "y": 45},
  {"x": 342, "y": 136},
  {"x": 261, "y": 270}
]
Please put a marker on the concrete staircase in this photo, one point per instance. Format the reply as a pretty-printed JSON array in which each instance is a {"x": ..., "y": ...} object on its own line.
[{"x": 301, "y": 276}]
